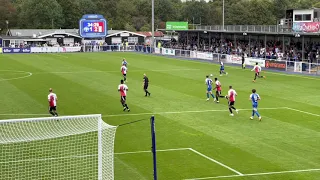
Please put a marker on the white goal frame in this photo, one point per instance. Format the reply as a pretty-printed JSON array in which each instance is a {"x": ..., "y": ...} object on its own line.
[{"x": 33, "y": 130}]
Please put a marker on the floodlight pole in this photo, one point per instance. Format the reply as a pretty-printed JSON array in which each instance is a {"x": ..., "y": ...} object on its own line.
[
  {"x": 223, "y": 15},
  {"x": 152, "y": 40}
]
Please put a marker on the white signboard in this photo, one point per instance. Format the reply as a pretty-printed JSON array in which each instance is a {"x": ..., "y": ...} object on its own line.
[
  {"x": 205, "y": 55},
  {"x": 157, "y": 50},
  {"x": 253, "y": 61},
  {"x": 55, "y": 49},
  {"x": 170, "y": 52}
]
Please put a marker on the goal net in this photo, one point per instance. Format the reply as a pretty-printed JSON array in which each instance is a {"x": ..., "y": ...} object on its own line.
[{"x": 59, "y": 148}]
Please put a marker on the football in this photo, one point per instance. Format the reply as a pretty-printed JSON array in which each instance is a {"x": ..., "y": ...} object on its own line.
[{"x": 211, "y": 75}]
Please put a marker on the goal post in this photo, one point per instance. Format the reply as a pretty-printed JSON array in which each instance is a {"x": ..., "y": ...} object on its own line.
[{"x": 66, "y": 147}]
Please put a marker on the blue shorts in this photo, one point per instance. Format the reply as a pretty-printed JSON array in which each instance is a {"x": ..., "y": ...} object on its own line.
[
  {"x": 209, "y": 89},
  {"x": 221, "y": 69},
  {"x": 255, "y": 105}
]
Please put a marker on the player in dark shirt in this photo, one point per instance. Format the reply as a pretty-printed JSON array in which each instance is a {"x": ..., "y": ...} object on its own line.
[{"x": 146, "y": 84}]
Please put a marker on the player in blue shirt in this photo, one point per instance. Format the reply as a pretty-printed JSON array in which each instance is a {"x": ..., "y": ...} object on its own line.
[
  {"x": 124, "y": 62},
  {"x": 254, "y": 98},
  {"x": 208, "y": 83},
  {"x": 222, "y": 69}
]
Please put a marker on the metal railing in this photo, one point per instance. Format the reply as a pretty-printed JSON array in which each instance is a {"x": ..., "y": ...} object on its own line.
[
  {"x": 247, "y": 28},
  {"x": 272, "y": 64}
]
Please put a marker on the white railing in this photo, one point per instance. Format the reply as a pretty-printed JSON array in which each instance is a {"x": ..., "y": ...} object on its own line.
[{"x": 272, "y": 64}]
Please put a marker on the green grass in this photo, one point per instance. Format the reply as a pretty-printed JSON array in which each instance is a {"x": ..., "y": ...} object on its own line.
[{"x": 86, "y": 83}]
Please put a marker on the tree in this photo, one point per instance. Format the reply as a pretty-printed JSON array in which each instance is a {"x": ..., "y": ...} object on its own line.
[
  {"x": 7, "y": 12},
  {"x": 71, "y": 13},
  {"x": 195, "y": 12},
  {"x": 146, "y": 28},
  {"x": 316, "y": 5},
  {"x": 87, "y": 7},
  {"x": 129, "y": 27},
  {"x": 40, "y": 14}
]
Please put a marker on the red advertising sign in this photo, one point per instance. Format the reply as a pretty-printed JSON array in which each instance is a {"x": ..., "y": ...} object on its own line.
[
  {"x": 278, "y": 65},
  {"x": 310, "y": 27}
]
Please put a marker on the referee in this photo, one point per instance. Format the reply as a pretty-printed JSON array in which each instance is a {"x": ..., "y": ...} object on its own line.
[{"x": 146, "y": 84}]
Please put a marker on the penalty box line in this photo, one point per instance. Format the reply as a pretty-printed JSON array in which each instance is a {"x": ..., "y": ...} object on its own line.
[
  {"x": 182, "y": 149},
  {"x": 256, "y": 174}
]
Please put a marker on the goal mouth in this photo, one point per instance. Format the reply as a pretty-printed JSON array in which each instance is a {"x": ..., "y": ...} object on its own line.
[{"x": 65, "y": 147}]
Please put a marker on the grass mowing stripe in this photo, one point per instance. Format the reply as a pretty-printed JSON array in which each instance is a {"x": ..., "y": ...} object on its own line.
[{"x": 161, "y": 150}]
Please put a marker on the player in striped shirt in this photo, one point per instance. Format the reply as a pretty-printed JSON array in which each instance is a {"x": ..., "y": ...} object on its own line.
[
  {"x": 257, "y": 70},
  {"x": 254, "y": 98},
  {"x": 124, "y": 70},
  {"x": 222, "y": 69},
  {"x": 218, "y": 89},
  {"x": 208, "y": 83},
  {"x": 52, "y": 99},
  {"x": 232, "y": 99},
  {"x": 122, "y": 88}
]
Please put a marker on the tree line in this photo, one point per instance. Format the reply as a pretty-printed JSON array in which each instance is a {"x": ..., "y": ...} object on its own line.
[{"x": 135, "y": 15}]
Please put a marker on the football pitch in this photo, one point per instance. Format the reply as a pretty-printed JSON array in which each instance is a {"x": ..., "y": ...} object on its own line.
[{"x": 196, "y": 139}]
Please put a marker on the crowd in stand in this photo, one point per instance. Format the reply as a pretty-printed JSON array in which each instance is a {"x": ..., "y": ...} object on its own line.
[{"x": 274, "y": 49}]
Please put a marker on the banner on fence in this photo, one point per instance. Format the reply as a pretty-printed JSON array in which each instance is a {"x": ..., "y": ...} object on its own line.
[
  {"x": 55, "y": 49},
  {"x": 157, "y": 50},
  {"x": 204, "y": 55},
  {"x": 16, "y": 50},
  {"x": 0, "y": 50},
  {"x": 277, "y": 65},
  {"x": 166, "y": 51},
  {"x": 0, "y": 42},
  {"x": 234, "y": 59},
  {"x": 311, "y": 27},
  {"x": 252, "y": 62},
  {"x": 298, "y": 67}
]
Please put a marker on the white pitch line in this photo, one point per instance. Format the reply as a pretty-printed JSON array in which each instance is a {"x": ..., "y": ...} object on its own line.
[
  {"x": 74, "y": 72},
  {"x": 24, "y": 114},
  {"x": 180, "y": 112},
  {"x": 217, "y": 162},
  {"x": 305, "y": 112},
  {"x": 162, "y": 150},
  {"x": 256, "y": 174},
  {"x": 150, "y": 113}
]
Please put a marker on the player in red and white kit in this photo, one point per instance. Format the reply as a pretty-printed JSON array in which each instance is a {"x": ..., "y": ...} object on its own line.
[
  {"x": 122, "y": 88},
  {"x": 124, "y": 70},
  {"x": 52, "y": 99},
  {"x": 257, "y": 70},
  {"x": 218, "y": 89},
  {"x": 232, "y": 99}
]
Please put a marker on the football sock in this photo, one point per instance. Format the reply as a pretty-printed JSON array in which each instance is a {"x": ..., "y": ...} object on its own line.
[
  {"x": 51, "y": 113},
  {"x": 233, "y": 108},
  {"x": 255, "y": 77},
  {"x": 220, "y": 72},
  {"x": 221, "y": 96},
  {"x": 217, "y": 98},
  {"x": 257, "y": 113},
  {"x": 253, "y": 113},
  {"x": 124, "y": 78},
  {"x": 56, "y": 113},
  {"x": 230, "y": 110},
  {"x": 126, "y": 106},
  {"x": 208, "y": 95},
  {"x": 212, "y": 95}
]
